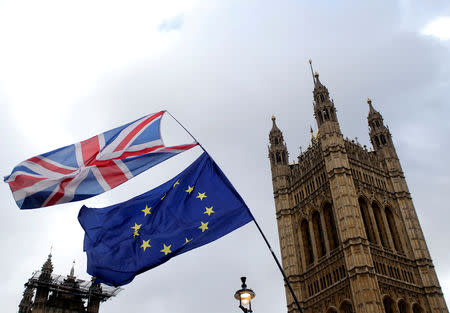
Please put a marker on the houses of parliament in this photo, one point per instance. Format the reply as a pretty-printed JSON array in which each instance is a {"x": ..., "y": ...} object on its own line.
[{"x": 350, "y": 238}]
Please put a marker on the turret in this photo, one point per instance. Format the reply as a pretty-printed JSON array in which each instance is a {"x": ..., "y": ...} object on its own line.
[
  {"x": 380, "y": 135},
  {"x": 279, "y": 163},
  {"x": 324, "y": 110},
  {"x": 277, "y": 150},
  {"x": 47, "y": 269},
  {"x": 42, "y": 291}
]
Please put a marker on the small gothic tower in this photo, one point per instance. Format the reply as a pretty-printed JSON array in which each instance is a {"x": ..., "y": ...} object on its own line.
[
  {"x": 324, "y": 110},
  {"x": 349, "y": 235},
  {"x": 42, "y": 291},
  {"x": 380, "y": 136},
  {"x": 277, "y": 150}
]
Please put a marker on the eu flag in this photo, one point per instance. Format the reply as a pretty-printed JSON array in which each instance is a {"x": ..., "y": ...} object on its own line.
[{"x": 196, "y": 207}]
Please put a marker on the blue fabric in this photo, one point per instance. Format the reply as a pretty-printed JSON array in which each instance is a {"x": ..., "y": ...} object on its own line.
[
  {"x": 115, "y": 250},
  {"x": 91, "y": 167}
]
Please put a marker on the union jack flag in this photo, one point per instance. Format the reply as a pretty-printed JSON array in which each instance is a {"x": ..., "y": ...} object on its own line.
[{"x": 91, "y": 167}]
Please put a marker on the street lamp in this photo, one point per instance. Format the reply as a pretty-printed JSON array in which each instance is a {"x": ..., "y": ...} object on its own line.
[{"x": 245, "y": 297}]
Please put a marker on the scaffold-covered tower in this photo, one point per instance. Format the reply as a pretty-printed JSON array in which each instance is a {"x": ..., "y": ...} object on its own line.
[{"x": 47, "y": 292}]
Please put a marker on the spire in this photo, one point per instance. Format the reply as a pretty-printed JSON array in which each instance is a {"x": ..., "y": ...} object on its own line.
[
  {"x": 372, "y": 111},
  {"x": 324, "y": 110},
  {"x": 48, "y": 265},
  {"x": 316, "y": 79},
  {"x": 47, "y": 269},
  {"x": 312, "y": 71},
  {"x": 72, "y": 270},
  {"x": 277, "y": 149},
  {"x": 369, "y": 101},
  {"x": 274, "y": 125},
  {"x": 380, "y": 135}
]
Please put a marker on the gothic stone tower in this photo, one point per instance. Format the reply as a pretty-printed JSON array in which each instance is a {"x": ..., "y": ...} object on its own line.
[{"x": 349, "y": 234}]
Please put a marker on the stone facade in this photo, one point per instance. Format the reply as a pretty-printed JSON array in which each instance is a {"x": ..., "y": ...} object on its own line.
[{"x": 349, "y": 234}]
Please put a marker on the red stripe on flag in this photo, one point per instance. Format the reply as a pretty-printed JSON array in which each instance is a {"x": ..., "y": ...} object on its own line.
[
  {"x": 60, "y": 193},
  {"x": 90, "y": 149},
  {"x": 112, "y": 174},
  {"x": 139, "y": 152},
  {"x": 22, "y": 181},
  {"x": 181, "y": 147},
  {"x": 149, "y": 150},
  {"x": 49, "y": 166},
  {"x": 133, "y": 133}
]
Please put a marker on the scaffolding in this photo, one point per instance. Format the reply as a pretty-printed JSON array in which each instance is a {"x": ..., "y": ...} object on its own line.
[{"x": 82, "y": 288}]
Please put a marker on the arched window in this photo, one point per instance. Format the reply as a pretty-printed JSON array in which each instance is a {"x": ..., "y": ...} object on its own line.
[
  {"x": 377, "y": 123},
  {"x": 346, "y": 307},
  {"x": 332, "y": 113},
  {"x": 377, "y": 141},
  {"x": 383, "y": 139},
  {"x": 322, "y": 98},
  {"x": 393, "y": 229},
  {"x": 276, "y": 140},
  {"x": 388, "y": 304},
  {"x": 320, "y": 117},
  {"x": 330, "y": 226},
  {"x": 318, "y": 234},
  {"x": 326, "y": 116},
  {"x": 380, "y": 225},
  {"x": 332, "y": 310},
  {"x": 278, "y": 157},
  {"x": 367, "y": 221},
  {"x": 307, "y": 246}
]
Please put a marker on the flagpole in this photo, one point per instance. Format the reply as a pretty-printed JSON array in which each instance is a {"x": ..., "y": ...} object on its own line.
[
  {"x": 279, "y": 266},
  {"x": 187, "y": 131},
  {"x": 259, "y": 229}
]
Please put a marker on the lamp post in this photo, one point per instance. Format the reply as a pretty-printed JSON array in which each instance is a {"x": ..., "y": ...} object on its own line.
[{"x": 245, "y": 297}]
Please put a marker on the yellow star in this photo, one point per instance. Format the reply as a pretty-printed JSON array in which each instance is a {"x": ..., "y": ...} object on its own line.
[
  {"x": 187, "y": 241},
  {"x": 204, "y": 226},
  {"x": 136, "y": 227},
  {"x": 209, "y": 211},
  {"x": 176, "y": 183},
  {"x": 164, "y": 196},
  {"x": 190, "y": 189},
  {"x": 166, "y": 249},
  {"x": 201, "y": 195},
  {"x": 147, "y": 210},
  {"x": 145, "y": 244}
]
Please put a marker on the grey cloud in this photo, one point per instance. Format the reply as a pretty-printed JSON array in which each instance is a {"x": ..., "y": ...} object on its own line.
[{"x": 233, "y": 67}]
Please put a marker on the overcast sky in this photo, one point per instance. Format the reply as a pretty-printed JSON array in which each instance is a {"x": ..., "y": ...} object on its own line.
[{"x": 71, "y": 71}]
